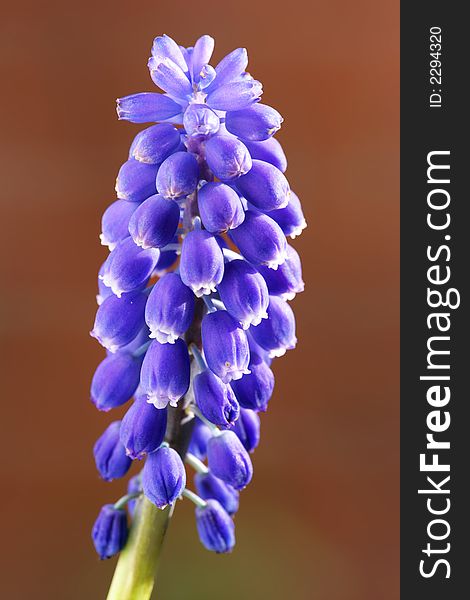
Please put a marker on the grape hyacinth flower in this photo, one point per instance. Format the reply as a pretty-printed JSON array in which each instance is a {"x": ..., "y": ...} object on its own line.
[
  {"x": 192, "y": 302},
  {"x": 110, "y": 531}
]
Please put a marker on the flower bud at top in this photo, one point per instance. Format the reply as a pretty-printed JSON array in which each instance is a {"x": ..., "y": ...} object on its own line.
[
  {"x": 202, "y": 262},
  {"x": 269, "y": 151},
  {"x": 163, "y": 477},
  {"x": 199, "y": 119},
  {"x": 129, "y": 267},
  {"x": 225, "y": 346},
  {"x": 234, "y": 95},
  {"x": 177, "y": 175},
  {"x": 247, "y": 429},
  {"x": 115, "y": 222},
  {"x": 277, "y": 333},
  {"x": 170, "y": 309},
  {"x": 215, "y": 399},
  {"x": 290, "y": 218},
  {"x": 143, "y": 428},
  {"x": 228, "y": 460},
  {"x": 206, "y": 76},
  {"x": 119, "y": 320},
  {"x": 146, "y": 107},
  {"x": 260, "y": 240},
  {"x": 244, "y": 293},
  {"x": 220, "y": 207},
  {"x": 109, "y": 531},
  {"x": 110, "y": 455},
  {"x": 215, "y": 527},
  {"x": 154, "y": 223},
  {"x": 115, "y": 380},
  {"x": 256, "y": 123},
  {"x": 164, "y": 377},
  {"x": 200, "y": 436},
  {"x": 227, "y": 157},
  {"x": 164, "y": 47},
  {"x": 231, "y": 67},
  {"x": 154, "y": 144},
  {"x": 264, "y": 186},
  {"x": 210, "y": 487},
  {"x": 286, "y": 281},
  {"x": 136, "y": 181},
  {"x": 255, "y": 389},
  {"x": 170, "y": 78},
  {"x": 202, "y": 53}
]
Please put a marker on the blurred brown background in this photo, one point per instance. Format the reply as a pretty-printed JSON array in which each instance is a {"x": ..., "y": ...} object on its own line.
[{"x": 321, "y": 517}]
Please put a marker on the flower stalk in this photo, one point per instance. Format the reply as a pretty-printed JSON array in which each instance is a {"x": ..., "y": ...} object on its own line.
[{"x": 134, "y": 577}]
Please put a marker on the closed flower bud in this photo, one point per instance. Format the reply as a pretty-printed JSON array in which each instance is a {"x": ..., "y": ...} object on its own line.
[
  {"x": 231, "y": 67},
  {"x": 260, "y": 240},
  {"x": 164, "y": 377},
  {"x": 119, "y": 320},
  {"x": 215, "y": 399},
  {"x": 199, "y": 438},
  {"x": 201, "y": 54},
  {"x": 269, "y": 151},
  {"x": 215, "y": 527},
  {"x": 143, "y": 428},
  {"x": 199, "y": 119},
  {"x": 247, "y": 429},
  {"x": 228, "y": 460},
  {"x": 154, "y": 223},
  {"x": 286, "y": 281},
  {"x": 209, "y": 487},
  {"x": 115, "y": 222},
  {"x": 255, "y": 390},
  {"x": 154, "y": 144},
  {"x": 202, "y": 262},
  {"x": 170, "y": 78},
  {"x": 164, "y": 47},
  {"x": 264, "y": 186},
  {"x": 109, "y": 532},
  {"x": 255, "y": 123},
  {"x": 178, "y": 175},
  {"x": 234, "y": 95},
  {"x": 227, "y": 157},
  {"x": 225, "y": 346},
  {"x": 110, "y": 455},
  {"x": 136, "y": 181},
  {"x": 129, "y": 267},
  {"x": 290, "y": 218},
  {"x": 115, "y": 380},
  {"x": 170, "y": 309},
  {"x": 163, "y": 477},
  {"x": 277, "y": 333},
  {"x": 220, "y": 207},
  {"x": 244, "y": 293},
  {"x": 146, "y": 107}
]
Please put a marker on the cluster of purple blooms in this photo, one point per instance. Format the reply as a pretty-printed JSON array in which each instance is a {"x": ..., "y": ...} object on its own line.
[{"x": 204, "y": 185}]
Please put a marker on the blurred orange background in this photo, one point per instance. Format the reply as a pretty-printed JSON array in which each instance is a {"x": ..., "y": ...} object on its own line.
[{"x": 320, "y": 519}]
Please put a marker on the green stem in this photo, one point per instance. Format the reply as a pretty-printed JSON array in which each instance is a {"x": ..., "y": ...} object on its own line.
[{"x": 135, "y": 572}]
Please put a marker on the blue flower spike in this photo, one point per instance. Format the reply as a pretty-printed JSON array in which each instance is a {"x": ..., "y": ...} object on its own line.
[{"x": 193, "y": 297}]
